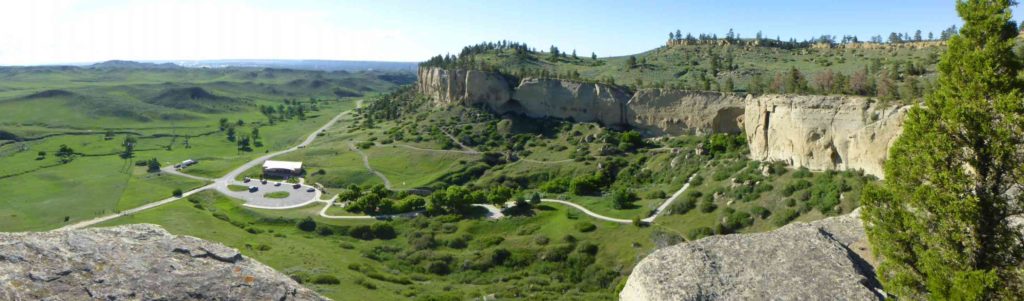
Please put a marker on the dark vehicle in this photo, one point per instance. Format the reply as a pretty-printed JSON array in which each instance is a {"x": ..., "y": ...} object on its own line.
[
  {"x": 253, "y": 188},
  {"x": 296, "y": 186}
]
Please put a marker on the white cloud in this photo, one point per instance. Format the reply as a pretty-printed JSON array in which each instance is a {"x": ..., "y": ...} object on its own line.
[{"x": 37, "y": 32}]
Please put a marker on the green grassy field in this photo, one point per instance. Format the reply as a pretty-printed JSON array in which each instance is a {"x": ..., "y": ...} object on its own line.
[
  {"x": 172, "y": 115},
  {"x": 278, "y": 243}
]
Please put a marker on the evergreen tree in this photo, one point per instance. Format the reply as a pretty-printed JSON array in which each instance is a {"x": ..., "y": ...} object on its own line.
[
  {"x": 153, "y": 165},
  {"x": 593, "y": 56},
  {"x": 939, "y": 221},
  {"x": 631, "y": 62}
]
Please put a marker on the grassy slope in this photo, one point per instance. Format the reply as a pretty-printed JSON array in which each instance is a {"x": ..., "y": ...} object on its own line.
[
  {"x": 293, "y": 251},
  {"x": 681, "y": 64}
]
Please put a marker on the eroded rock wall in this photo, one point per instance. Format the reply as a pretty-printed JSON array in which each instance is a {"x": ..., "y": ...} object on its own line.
[
  {"x": 657, "y": 112},
  {"x": 457, "y": 86},
  {"x": 562, "y": 99},
  {"x": 817, "y": 132},
  {"x": 822, "y": 132},
  {"x": 134, "y": 262}
]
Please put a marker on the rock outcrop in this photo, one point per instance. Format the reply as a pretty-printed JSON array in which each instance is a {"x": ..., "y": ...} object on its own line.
[
  {"x": 585, "y": 102},
  {"x": 822, "y": 132},
  {"x": 657, "y": 112},
  {"x": 134, "y": 262},
  {"x": 459, "y": 86},
  {"x": 801, "y": 261}
]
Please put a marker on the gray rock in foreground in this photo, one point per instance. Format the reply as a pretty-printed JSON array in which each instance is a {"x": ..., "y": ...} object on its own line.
[
  {"x": 800, "y": 261},
  {"x": 134, "y": 262}
]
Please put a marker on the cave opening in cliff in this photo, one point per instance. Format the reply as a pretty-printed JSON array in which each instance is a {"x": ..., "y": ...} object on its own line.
[
  {"x": 727, "y": 121},
  {"x": 511, "y": 106}
]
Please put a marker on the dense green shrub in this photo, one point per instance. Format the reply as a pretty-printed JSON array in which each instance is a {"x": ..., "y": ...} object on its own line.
[
  {"x": 585, "y": 185},
  {"x": 737, "y": 220},
  {"x": 585, "y": 227},
  {"x": 803, "y": 172},
  {"x": 623, "y": 198},
  {"x": 697, "y": 180},
  {"x": 307, "y": 224},
  {"x": 760, "y": 212},
  {"x": 683, "y": 206},
  {"x": 707, "y": 207},
  {"x": 698, "y": 233},
  {"x": 784, "y": 217},
  {"x": 326, "y": 279},
  {"x": 556, "y": 185}
]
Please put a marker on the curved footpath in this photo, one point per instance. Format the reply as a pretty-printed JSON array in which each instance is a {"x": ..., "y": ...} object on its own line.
[
  {"x": 493, "y": 211},
  {"x": 220, "y": 184}
]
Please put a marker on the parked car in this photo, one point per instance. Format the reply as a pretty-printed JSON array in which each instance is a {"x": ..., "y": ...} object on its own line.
[
  {"x": 277, "y": 184},
  {"x": 246, "y": 180},
  {"x": 296, "y": 186},
  {"x": 253, "y": 188},
  {"x": 311, "y": 190},
  {"x": 264, "y": 182}
]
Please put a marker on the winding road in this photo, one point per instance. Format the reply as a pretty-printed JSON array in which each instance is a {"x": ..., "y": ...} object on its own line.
[{"x": 220, "y": 184}]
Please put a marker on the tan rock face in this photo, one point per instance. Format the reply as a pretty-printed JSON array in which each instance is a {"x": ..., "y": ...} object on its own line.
[
  {"x": 656, "y": 112},
  {"x": 822, "y": 132},
  {"x": 448, "y": 87},
  {"x": 817, "y": 132},
  {"x": 571, "y": 100}
]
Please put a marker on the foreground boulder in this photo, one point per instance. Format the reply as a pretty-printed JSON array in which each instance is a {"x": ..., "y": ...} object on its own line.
[
  {"x": 134, "y": 262},
  {"x": 816, "y": 261}
]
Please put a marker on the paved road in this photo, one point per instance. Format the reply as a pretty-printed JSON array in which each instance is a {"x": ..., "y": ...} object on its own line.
[{"x": 219, "y": 184}]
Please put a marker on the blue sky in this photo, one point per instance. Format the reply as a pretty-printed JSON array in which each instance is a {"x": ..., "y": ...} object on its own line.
[{"x": 61, "y": 31}]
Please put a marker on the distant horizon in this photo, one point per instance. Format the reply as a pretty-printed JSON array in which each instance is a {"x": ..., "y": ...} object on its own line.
[{"x": 50, "y": 32}]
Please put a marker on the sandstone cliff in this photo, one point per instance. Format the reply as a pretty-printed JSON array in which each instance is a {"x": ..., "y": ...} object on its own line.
[
  {"x": 822, "y": 132},
  {"x": 816, "y": 261},
  {"x": 656, "y": 112},
  {"x": 134, "y": 262},
  {"x": 817, "y": 132},
  {"x": 458, "y": 86},
  {"x": 571, "y": 100}
]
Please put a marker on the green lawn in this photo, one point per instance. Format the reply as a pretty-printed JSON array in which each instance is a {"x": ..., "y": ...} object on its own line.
[
  {"x": 277, "y": 195},
  {"x": 408, "y": 168},
  {"x": 146, "y": 187}
]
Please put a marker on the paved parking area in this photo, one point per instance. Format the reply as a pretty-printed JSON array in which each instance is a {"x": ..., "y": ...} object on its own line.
[{"x": 296, "y": 197}]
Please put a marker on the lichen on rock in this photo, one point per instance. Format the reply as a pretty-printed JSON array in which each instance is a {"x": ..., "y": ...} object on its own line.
[{"x": 134, "y": 262}]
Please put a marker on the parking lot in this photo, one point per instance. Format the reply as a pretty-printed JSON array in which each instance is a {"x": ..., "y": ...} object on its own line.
[{"x": 296, "y": 197}]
